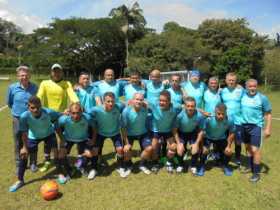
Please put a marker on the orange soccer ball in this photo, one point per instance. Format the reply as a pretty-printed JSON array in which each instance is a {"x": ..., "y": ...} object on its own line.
[{"x": 49, "y": 190}]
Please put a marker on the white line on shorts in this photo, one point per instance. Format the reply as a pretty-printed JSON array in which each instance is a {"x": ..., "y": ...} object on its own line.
[{"x": 3, "y": 107}]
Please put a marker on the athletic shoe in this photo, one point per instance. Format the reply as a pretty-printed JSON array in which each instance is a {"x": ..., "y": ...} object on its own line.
[
  {"x": 255, "y": 178},
  {"x": 62, "y": 179},
  {"x": 193, "y": 170},
  {"x": 227, "y": 171},
  {"x": 33, "y": 167},
  {"x": 127, "y": 172},
  {"x": 46, "y": 166},
  {"x": 179, "y": 169},
  {"x": 16, "y": 186},
  {"x": 92, "y": 174},
  {"x": 200, "y": 171},
  {"x": 83, "y": 172},
  {"x": 144, "y": 169},
  {"x": 169, "y": 167},
  {"x": 121, "y": 171},
  {"x": 155, "y": 168}
]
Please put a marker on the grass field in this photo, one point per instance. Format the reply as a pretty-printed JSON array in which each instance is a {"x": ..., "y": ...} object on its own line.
[{"x": 139, "y": 191}]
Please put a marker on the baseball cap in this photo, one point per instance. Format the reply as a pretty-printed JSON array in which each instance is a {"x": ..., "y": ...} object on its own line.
[
  {"x": 195, "y": 73},
  {"x": 56, "y": 66}
]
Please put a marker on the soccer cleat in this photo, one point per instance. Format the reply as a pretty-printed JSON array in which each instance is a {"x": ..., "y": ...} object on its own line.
[
  {"x": 127, "y": 172},
  {"x": 62, "y": 179},
  {"x": 169, "y": 167},
  {"x": 121, "y": 171},
  {"x": 92, "y": 174},
  {"x": 255, "y": 178},
  {"x": 16, "y": 186},
  {"x": 179, "y": 169},
  {"x": 83, "y": 172},
  {"x": 155, "y": 168},
  {"x": 227, "y": 171},
  {"x": 144, "y": 169},
  {"x": 193, "y": 170},
  {"x": 201, "y": 171},
  {"x": 33, "y": 167},
  {"x": 46, "y": 166}
]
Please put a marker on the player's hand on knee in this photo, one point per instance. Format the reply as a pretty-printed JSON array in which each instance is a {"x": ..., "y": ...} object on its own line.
[
  {"x": 23, "y": 152},
  {"x": 180, "y": 148},
  {"x": 127, "y": 148},
  {"x": 228, "y": 151}
]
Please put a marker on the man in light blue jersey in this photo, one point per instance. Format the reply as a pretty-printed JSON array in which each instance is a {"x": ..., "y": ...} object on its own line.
[
  {"x": 74, "y": 129},
  {"x": 255, "y": 107},
  {"x": 85, "y": 92},
  {"x": 188, "y": 129},
  {"x": 231, "y": 97},
  {"x": 154, "y": 86},
  {"x": 108, "y": 123},
  {"x": 36, "y": 125},
  {"x": 175, "y": 91},
  {"x": 211, "y": 96},
  {"x": 134, "y": 86},
  {"x": 219, "y": 131},
  {"x": 134, "y": 120},
  {"x": 194, "y": 88},
  {"x": 163, "y": 120},
  {"x": 109, "y": 84},
  {"x": 17, "y": 99}
]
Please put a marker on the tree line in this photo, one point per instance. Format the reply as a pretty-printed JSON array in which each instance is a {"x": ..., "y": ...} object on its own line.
[{"x": 122, "y": 41}]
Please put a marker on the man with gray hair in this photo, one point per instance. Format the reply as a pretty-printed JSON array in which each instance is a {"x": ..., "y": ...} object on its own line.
[
  {"x": 211, "y": 96},
  {"x": 255, "y": 109},
  {"x": 17, "y": 99}
]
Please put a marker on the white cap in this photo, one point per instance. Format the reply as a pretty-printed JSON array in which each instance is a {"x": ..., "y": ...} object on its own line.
[{"x": 56, "y": 66}]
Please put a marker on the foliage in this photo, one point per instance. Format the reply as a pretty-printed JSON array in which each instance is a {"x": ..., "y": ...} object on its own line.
[{"x": 272, "y": 67}]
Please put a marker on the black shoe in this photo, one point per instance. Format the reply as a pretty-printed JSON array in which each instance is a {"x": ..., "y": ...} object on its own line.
[{"x": 255, "y": 178}]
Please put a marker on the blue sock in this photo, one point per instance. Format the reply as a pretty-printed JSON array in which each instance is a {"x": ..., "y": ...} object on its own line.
[{"x": 257, "y": 168}]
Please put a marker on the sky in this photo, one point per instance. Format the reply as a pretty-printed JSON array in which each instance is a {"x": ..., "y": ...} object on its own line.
[{"x": 263, "y": 16}]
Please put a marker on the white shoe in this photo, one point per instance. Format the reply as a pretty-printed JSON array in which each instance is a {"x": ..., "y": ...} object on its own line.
[
  {"x": 193, "y": 170},
  {"x": 169, "y": 167},
  {"x": 179, "y": 169},
  {"x": 92, "y": 174},
  {"x": 127, "y": 172},
  {"x": 144, "y": 169},
  {"x": 121, "y": 171}
]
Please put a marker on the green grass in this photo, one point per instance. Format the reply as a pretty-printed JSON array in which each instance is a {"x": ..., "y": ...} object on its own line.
[{"x": 139, "y": 191}]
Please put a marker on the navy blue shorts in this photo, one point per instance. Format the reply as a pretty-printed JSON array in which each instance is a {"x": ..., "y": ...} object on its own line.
[
  {"x": 252, "y": 135},
  {"x": 161, "y": 136},
  {"x": 144, "y": 140},
  {"x": 238, "y": 134},
  {"x": 117, "y": 140},
  {"x": 50, "y": 143},
  {"x": 81, "y": 146},
  {"x": 188, "y": 137},
  {"x": 219, "y": 145}
]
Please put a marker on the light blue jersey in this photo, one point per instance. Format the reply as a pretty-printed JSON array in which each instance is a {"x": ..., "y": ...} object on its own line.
[
  {"x": 75, "y": 131},
  {"x": 87, "y": 97},
  {"x": 196, "y": 91},
  {"x": 232, "y": 99},
  {"x": 130, "y": 90},
  {"x": 188, "y": 124},
  {"x": 40, "y": 127},
  {"x": 108, "y": 123},
  {"x": 153, "y": 91},
  {"x": 163, "y": 121},
  {"x": 211, "y": 99},
  {"x": 176, "y": 97},
  {"x": 218, "y": 130},
  {"x": 135, "y": 122},
  {"x": 115, "y": 87},
  {"x": 253, "y": 109}
]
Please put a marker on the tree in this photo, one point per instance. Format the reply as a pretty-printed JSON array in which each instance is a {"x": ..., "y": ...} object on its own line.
[
  {"x": 133, "y": 23},
  {"x": 233, "y": 46},
  {"x": 78, "y": 44},
  {"x": 271, "y": 71}
]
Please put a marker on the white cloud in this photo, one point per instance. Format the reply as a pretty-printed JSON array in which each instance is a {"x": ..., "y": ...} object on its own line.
[
  {"x": 27, "y": 22},
  {"x": 179, "y": 12}
]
